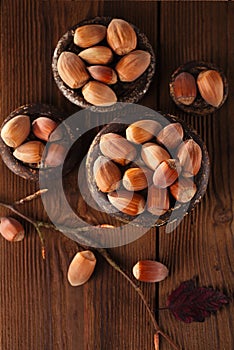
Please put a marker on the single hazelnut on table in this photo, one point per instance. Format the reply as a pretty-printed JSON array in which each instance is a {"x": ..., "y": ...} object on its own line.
[
  {"x": 150, "y": 271},
  {"x": 81, "y": 268},
  {"x": 11, "y": 229}
]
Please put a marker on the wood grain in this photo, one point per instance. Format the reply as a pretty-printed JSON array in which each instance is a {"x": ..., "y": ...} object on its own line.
[{"x": 39, "y": 310}]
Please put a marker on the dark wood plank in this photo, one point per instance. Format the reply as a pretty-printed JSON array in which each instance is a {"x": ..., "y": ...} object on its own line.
[{"x": 203, "y": 244}]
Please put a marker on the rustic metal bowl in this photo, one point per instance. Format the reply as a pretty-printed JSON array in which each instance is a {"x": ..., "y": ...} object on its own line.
[
  {"x": 146, "y": 219},
  {"x": 126, "y": 92},
  {"x": 33, "y": 111},
  {"x": 199, "y": 106}
]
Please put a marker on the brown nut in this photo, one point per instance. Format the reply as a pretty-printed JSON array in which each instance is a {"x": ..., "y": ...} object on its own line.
[
  {"x": 106, "y": 174},
  {"x": 133, "y": 65},
  {"x": 210, "y": 85},
  {"x": 99, "y": 94},
  {"x": 158, "y": 200},
  {"x": 121, "y": 36},
  {"x": 81, "y": 268},
  {"x": 117, "y": 148},
  {"x": 55, "y": 156},
  {"x": 150, "y": 271},
  {"x": 11, "y": 229},
  {"x": 103, "y": 74},
  {"x": 190, "y": 157},
  {"x": 127, "y": 202},
  {"x": 16, "y": 130},
  {"x": 153, "y": 155},
  {"x": 142, "y": 130},
  {"x": 72, "y": 70},
  {"x": 137, "y": 179},
  {"x": 183, "y": 190},
  {"x": 42, "y": 127},
  {"x": 171, "y": 135},
  {"x": 166, "y": 173},
  {"x": 29, "y": 152},
  {"x": 89, "y": 35},
  {"x": 97, "y": 55},
  {"x": 185, "y": 90}
]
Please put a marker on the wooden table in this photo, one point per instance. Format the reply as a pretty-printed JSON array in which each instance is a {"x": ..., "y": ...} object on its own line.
[{"x": 39, "y": 309}]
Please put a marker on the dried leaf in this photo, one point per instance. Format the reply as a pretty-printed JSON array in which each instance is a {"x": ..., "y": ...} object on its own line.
[{"x": 190, "y": 303}]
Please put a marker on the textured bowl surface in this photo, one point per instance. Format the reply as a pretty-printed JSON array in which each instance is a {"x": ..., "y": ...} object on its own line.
[
  {"x": 199, "y": 106},
  {"x": 33, "y": 111},
  {"x": 145, "y": 219},
  {"x": 126, "y": 92}
]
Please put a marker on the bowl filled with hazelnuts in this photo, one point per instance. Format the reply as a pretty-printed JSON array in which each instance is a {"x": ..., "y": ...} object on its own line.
[
  {"x": 101, "y": 61},
  {"x": 148, "y": 172},
  {"x": 33, "y": 138}
]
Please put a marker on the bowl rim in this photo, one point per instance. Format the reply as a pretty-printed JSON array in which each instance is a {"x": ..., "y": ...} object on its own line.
[
  {"x": 199, "y": 106},
  {"x": 71, "y": 94},
  {"x": 183, "y": 209}
]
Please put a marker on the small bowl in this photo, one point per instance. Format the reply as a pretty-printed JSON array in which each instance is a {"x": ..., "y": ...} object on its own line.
[
  {"x": 126, "y": 92},
  {"x": 33, "y": 111},
  {"x": 146, "y": 219},
  {"x": 199, "y": 106}
]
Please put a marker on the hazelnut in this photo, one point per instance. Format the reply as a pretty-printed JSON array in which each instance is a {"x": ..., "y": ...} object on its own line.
[
  {"x": 99, "y": 94},
  {"x": 183, "y": 190},
  {"x": 137, "y": 179},
  {"x": 89, "y": 35},
  {"x": 133, "y": 65},
  {"x": 142, "y": 130},
  {"x": 171, "y": 135},
  {"x": 103, "y": 74},
  {"x": 97, "y": 55},
  {"x": 16, "y": 130},
  {"x": 158, "y": 200},
  {"x": 121, "y": 36},
  {"x": 166, "y": 173},
  {"x": 81, "y": 268},
  {"x": 29, "y": 152},
  {"x": 11, "y": 229},
  {"x": 117, "y": 148},
  {"x": 190, "y": 156},
  {"x": 72, "y": 70},
  {"x": 127, "y": 202},
  {"x": 153, "y": 155},
  {"x": 185, "y": 89},
  {"x": 107, "y": 175},
  {"x": 149, "y": 271},
  {"x": 210, "y": 85}
]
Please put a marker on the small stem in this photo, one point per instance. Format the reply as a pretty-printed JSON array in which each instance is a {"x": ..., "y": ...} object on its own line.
[
  {"x": 156, "y": 341},
  {"x": 31, "y": 197},
  {"x": 169, "y": 340}
]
